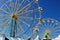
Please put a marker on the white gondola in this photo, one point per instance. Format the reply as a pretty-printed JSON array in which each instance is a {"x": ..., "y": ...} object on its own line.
[{"x": 37, "y": 38}]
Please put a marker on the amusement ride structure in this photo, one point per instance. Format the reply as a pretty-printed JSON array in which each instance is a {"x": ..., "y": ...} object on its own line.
[{"x": 22, "y": 19}]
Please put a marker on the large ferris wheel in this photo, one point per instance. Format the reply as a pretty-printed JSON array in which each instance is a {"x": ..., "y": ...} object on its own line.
[
  {"x": 18, "y": 16},
  {"x": 22, "y": 18}
]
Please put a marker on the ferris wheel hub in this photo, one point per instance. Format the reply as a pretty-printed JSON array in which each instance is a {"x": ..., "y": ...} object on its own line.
[{"x": 15, "y": 16}]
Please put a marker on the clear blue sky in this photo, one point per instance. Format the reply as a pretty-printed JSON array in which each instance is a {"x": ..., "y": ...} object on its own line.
[{"x": 51, "y": 8}]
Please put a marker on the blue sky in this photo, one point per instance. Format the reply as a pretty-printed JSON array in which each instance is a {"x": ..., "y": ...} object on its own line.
[{"x": 51, "y": 9}]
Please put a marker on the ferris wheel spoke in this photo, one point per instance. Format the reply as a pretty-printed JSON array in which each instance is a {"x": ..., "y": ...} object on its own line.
[
  {"x": 44, "y": 23},
  {"x": 28, "y": 29},
  {"x": 17, "y": 7},
  {"x": 2, "y": 19},
  {"x": 5, "y": 25},
  {"x": 5, "y": 3},
  {"x": 33, "y": 18},
  {"x": 29, "y": 18},
  {"x": 49, "y": 24},
  {"x": 6, "y": 22},
  {"x": 28, "y": 25},
  {"x": 26, "y": 16},
  {"x": 3, "y": 15},
  {"x": 11, "y": 3},
  {"x": 56, "y": 30},
  {"x": 28, "y": 11},
  {"x": 22, "y": 29},
  {"x": 41, "y": 24},
  {"x": 4, "y": 11},
  {"x": 41, "y": 27},
  {"x": 53, "y": 26},
  {"x": 24, "y": 33},
  {"x": 16, "y": 4},
  {"x": 20, "y": 4},
  {"x": 29, "y": 5},
  {"x": 12, "y": 6},
  {"x": 25, "y": 7},
  {"x": 55, "y": 34},
  {"x": 25, "y": 23}
]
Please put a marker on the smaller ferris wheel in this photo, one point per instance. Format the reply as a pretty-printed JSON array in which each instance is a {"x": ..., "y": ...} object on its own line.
[{"x": 48, "y": 27}]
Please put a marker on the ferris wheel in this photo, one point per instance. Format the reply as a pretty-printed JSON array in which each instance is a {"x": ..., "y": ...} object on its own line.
[
  {"x": 48, "y": 27},
  {"x": 17, "y": 17}
]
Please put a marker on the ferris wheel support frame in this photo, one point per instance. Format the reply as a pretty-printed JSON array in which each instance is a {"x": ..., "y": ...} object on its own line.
[{"x": 14, "y": 27}]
